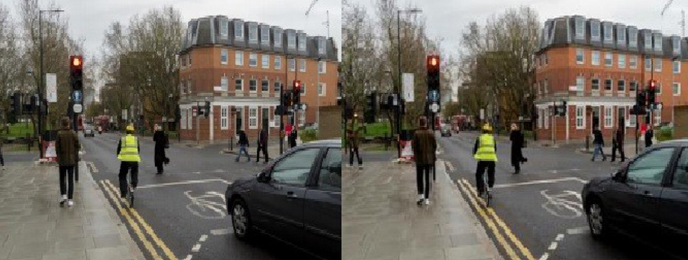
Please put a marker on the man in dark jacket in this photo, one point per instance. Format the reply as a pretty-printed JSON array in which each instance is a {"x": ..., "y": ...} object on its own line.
[
  {"x": 2, "y": 159},
  {"x": 649, "y": 134},
  {"x": 243, "y": 145},
  {"x": 424, "y": 146},
  {"x": 262, "y": 145},
  {"x": 598, "y": 143},
  {"x": 292, "y": 137},
  {"x": 353, "y": 140},
  {"x": 160, "y": 143},
  {"x": 517, "y": 141},
  {"x": 67, "y": 149},
  {"x": 617, "y": 144}
]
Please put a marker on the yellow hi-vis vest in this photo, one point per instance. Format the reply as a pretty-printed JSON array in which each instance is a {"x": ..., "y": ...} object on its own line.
[
  {"x": 129, "y": 151},
  {"x": 486, "y": 148}
]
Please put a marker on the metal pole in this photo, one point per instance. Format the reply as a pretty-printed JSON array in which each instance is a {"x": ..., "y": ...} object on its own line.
[
  {"x": 198, "y": 124},
  {"x": 397, "y": 87},
  {"x": 40, "y": 95},
  {"x": 637, "y": 123},
  {"x": 317, "y": 87}
]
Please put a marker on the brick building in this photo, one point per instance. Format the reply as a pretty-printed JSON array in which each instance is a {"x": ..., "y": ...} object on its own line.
[
  {"x": 240, "y": 66},
  {"x": 596, "y": 66}
]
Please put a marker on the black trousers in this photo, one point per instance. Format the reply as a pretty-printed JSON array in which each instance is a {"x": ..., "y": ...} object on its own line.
[
  {"x": 482, "y": 165},
  {"x": 619, "y": 146},
  {"x": 423, "y": 170},
  {"x": 2, "y": 159},
  {"x": 123, "y": 170},
  {"x": 263, "y": 148},
  {"x": 354, "y": 150},
  {"x": 67, "y": 172}
]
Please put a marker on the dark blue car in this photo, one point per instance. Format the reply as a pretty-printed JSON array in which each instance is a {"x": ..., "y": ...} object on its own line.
[{"x": 296, "y": 199}]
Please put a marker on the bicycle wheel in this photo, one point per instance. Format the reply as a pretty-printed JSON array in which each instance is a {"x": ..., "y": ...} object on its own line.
[
  {"x": 487, "y": 197},
  {"x": 130, "y": 196}
]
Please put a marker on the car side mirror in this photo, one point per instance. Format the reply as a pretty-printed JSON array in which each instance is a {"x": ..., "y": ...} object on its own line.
[
  {"x": 619, "y": 175},
  {"x": 264, "y": 176}
]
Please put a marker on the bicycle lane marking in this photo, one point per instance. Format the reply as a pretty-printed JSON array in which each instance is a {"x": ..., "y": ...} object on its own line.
[
  {"x": 207, "y": 202},
  {"x": 170, "y": 255}
]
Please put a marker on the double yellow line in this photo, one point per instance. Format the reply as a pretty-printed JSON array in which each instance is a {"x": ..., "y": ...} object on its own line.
[
  {"x": 138, "y": 224},
  {"x": 496, "y": 225}
]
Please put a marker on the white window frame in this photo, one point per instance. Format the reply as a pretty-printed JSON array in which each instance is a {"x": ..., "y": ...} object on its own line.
[
  {"x": 546, "y": 113},
  {"x": 676, "y": 65},
  {"x": 224, "y": 83},
  {"x": 292, "y": 64},
  {"x": 239, "y": 58},
  {"x": 618, "y": 86},
  {"x": 224, "y": 118},
  {"x": 658, "y": 37},
  {"x": 322, "y": 67},
  {"x": 262, "y": 88},
  {"x": 592, "y": 88},
  {"x": 595, "y": 58},
  {"x": 674, "y": 87},
  {"x": 253, "y": 59},
  {"x": 224, "y": 56},
  {"x": 658, "y": 64},
  {"x": 611, "y": 84},
  {"x": 291, "y": 40},
  {"x": 580, "y": 56},
  {"x": 278, "y": 62},
  {"x": 249, "y": 85},
  {"x": 621, "y": 61},
  {"x": 633, "y": 62},
  {"x": 304, "y": 86},
  {"x": 301, "y": 42},
  {"x": 658, "y": 115},
  {"x": 252, "y": 118},
  {"x": 253, "y": 33},
  {"x": 240, "y": 84},
  {"x": 631, "y": 119},
  {"x": 264, "y": 36},
  {"x": 265, "y": 62},
  {"x": 580, "y": 83},
  {"x": 621, "y": 36},
  {"x": 541, "y": 117},
  {"x": 632, "y": 38},
  {"x": 580, "y": 28},
  {"x": 648, "y": 41},
  {"x": 302, "y": 118},
  {"x": 625, "y": 114},
  {"x": 632, "y": 86},
  {"x": 580, "y": 119},
  {"x": 183, "y": 119},
  {"x": 608, "y": 34},
  {"x": 659, "y": 89},
  {"x": 277, "y": 38},
  {"x": 224, "y": 29},
  {"x": 302, "y": 65},
  {"x": 322, "y": 89},
  {"x": 190, "y": 118},
  {"x": 277, "y": 85},
  {"x": 610, "y": 57},
  {"x": 648, "y": 64},
  {"x": 595, "y": 26},
  {"x": 322, "y": 46},
  {"x": 239, "y": 30},
  {"x": 608, "y": 117}
]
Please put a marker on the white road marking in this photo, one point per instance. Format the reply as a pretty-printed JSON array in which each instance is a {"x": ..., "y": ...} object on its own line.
[
  {"x": 220, "y": 232},
  {"x": 559, "y": 237},
  {"x": 544, "y": 256},
  {"x": 576, "y": 231},
  {"x": 188, "y": 257},
  {"x": 540, "y": 182},
  {"x": 388, "y": 180},
  {"x": 196, "y": 248},
  {"x": 552, "y": 246},
  {"x": 203, "y": 238},
  {"x": 450, "y": 166},
  {"x": 182, "y": 183},
  {"x": 196, "y": 172}
]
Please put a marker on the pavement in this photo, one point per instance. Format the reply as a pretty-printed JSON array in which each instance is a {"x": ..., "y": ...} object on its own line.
[
  {"x": 380, "y": 218},
  {"x": 34, "y": 226}
]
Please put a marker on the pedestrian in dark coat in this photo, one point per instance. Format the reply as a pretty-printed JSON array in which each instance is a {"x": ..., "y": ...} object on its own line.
[
  {"x": 67, "y": 149},
  {"x": 292, "y": 137},
  {"x": 243, "y": 145},
  {"x": 424, "y": 146},
  {"x": 352, "y": 133},
  {"x": 617, "y": 144},
  {"x": 262, "y": 145},
  {"x": 598, "y": 142},
  {"x": 160, "y": 144},
  {"x": 517, "y": 141},
  {"x": 2, "y": 159},
  {"x": 649, "y": 134}
]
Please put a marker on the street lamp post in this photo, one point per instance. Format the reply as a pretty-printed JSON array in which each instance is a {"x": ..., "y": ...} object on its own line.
[
  {"x": 397, "y": 109},
  {"x": 42, "y": 80}
]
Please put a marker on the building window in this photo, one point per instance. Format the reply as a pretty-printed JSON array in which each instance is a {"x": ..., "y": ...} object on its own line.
[
  {"x": 659, "y": 89},
  {"x": 253, "y": 118},
  {"x": 303, "y": 65},
  {"x": 658, "y": 115},
  {"x": 622, "y": 61},
  {"x": 291, "y": 40},
  {"x": 677, "y": 67},
  {"x": 277, "y": 87},
  {"x": 632, "y": 37},
  {"x": 545, "y": 59},
  {"x": 621, "y": 86},
  {"x": 265, "y": 36},
  {"x": 239, "y": 30},
  {"x": 302, "y": 117},
  {"x": 253, "y": 60},
  {"x": 580, "y": 29},
  {"x": 252, "y": 85},
  {"x": 239, "y": 58},
  {"x": 182, "y": 120},
  {"x": 189, "y": 118},
  {"x": 540, "y": 117},
  {"x": 621, "y": 35},
  {"x": 302, "y": 42},
  {"x": 580, "y": 117},
  {"x": 322, "y": 89},
  {"x": 223, "y": 56},
  {"x": 546, "y": 115},
  {"x": 648, "y": 41},
  {"x": 658, "y": 64},
  {"x": 253, "y": 33},
  {"x": 632, "y": 86},
  {"x": 595, "y": 31},
  {"x": 676, "y": 88},
  {"x": 266, "y": 61},
  {"x": 224, "y": 120},
  {"x": 580, "y": 83},
  {"x": 545, "y": 86},
  {"x": 303, "y": 89},
  {"x": 292, "y": 64},
  {"x": 595, "y": 58},
  {"x": 224, "y": 83},
  {"x": 224, "y": 29},
  {"x": 607, "y": 85},
  {"x": 579, "y": 56},
  {"x": 658, "y": 42},
  {"x": 189, "y": 57},
  {"x": 321, "y": 46},
  {"x": 238, "y": 85},
  {"x": 608, "y": 59},
  {"x": 322, "y": 67},
  {"x": 608, "y": 117},
  {"x": 278, "y": 62},
  {"x": 189, "y": 86},
  {"x": 633, "y": 62},
  {"x": 277, "y": 38},
  {"x": 265, "y": 85},
  {"x": 182, "y": 87},
  {"x": 595, "y": 85},
  {"x": 648, "y": 64},
  {"x": 607, "y": 32}
]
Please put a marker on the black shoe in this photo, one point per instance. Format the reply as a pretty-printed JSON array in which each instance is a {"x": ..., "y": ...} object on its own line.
[
  {"x": 592, "y": 160},
  {"x": 604, "y": 159},
  {"x": 517, "y": 172},
  {"x": 419, "y": 202}
]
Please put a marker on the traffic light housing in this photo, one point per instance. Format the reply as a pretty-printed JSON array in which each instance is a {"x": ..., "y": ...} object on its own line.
[
  {"x": 206, "y": 109},
  {"x": 297, "y": 92},
  {"x": 286, "y": 99},
  {"x": 15, "y": 104},
  {"x": 76, "y": 64},
  {"x": 433, "y": 69},
  {"x": 651, "y": 94},
  {"x": 561, "y": 109},
  {"x": 370, "y": 108}
]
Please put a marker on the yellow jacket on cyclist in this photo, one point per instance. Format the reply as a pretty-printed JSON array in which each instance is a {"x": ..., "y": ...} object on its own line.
[
  {"x": 128, "y": 149},
  {"x": 485, "y": 148}
]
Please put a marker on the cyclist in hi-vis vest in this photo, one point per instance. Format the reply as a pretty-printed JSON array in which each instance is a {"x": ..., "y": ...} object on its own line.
[
  {"x": 485, "y": 152},
  {"x": 128, "y": 152}
]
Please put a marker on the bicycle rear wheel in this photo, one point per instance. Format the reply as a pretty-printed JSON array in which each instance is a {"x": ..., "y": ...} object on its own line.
[
  {"x": 487, "y": 197},
  {"x": 130, "y": 195}
]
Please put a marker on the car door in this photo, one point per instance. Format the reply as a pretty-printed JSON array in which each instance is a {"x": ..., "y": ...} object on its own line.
[
  {"x": 323, "y": 209},
  {"x": 281, "y": 198},
  {"x": 674, "y": 204},
  {"x": 634, "y": 201}
]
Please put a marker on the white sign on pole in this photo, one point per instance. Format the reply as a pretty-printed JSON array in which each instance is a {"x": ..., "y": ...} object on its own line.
[
  {"x": 408, "y": 87},
  {"x": 435, "y": 107},
  {"x": 482, "y": 114},
  {"x": 124, "y": 114},
  {"x": 78, "y": 108},
  {"x": 51, "y": 87}
]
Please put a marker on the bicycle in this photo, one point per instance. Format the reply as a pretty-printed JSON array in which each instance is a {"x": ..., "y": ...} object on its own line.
[
  {"x": 486, "y": 195},
  {"x": 130, "y": 192}
]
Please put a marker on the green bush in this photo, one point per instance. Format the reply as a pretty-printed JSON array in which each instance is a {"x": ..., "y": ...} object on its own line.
[
  {"x": 377, "y": 129},
  {"x": 17, "y": 130},
  {"x": 665, "y": 134},
  {"x": 308, "y": 135}
]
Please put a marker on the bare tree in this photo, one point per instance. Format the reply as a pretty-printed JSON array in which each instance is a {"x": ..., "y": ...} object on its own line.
[{"x": 9, "y": 57}]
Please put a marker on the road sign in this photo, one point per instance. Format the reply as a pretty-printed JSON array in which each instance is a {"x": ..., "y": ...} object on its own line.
[
  {"x": 434, "y": 95},
  {"x": 78, "y": 108},
  {"x": 482, "y": 114},
  {"x": 77, "y": 96},
  {"x": 124, "y": 114},
  {"x": 51, "y": 87},
  {"x": 408, "y": 86},
  {"x": 435, "y": 107}
]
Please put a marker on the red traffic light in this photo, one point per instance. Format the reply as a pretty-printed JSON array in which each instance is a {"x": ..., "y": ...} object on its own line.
[
  {"x": 433, "y": 62},
  {"x": 76, "y": 62},
  {"x": 297, "y": 86},
  {"x": 653, "y": 84}
]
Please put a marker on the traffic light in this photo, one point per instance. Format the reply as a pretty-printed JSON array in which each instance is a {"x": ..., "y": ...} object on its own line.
[
  {"x": 297, "y": 92},
  {"x": 651, "y": 95},
  {"x": 16, "y": 105},
  {"x": 561, "y": 110},
  {"x": 206, "y": 109},
  {"x": 433, "y": 68},
  {"x": 370, "y": 108},
  {"x": 286, "y": 99},
  {"x": 641, "y": 99},
  {"x": 76, "y": 64}
]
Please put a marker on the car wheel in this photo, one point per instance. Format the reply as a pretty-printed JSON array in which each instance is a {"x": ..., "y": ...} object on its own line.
[
  {"x": 241, "y": 220},
  {"x": 596, "y": 219}
]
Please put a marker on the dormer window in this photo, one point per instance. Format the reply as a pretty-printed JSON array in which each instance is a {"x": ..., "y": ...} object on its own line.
[
  {"x": 580, "y": 29},
  {"x": 632, "y": 37},
  {"x": 265, "y": 36},
  {"x": 277, "y": 37},
  {"x": 648, "y": 41},
  {"x": 676, "y": 43},
  {"x": 607, "y": 32},
  {"x": 302, "y": 42},
  {"x": 224, "y": 29},
  {"x": 621, "y": 35},
  {"x": 321, "y": 46},
  {"x": 291, "y": 40},
  {"x": 238, "y": 30},
  {"x": 595, "y": 31},
  {"x": 253, "y": 33},
  {"x": 658, "y": 42}
]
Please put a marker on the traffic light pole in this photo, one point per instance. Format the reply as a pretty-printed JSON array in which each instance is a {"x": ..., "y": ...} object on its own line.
[
  {"x": 637, "y": 123},
  {"x": 281, "y": 116},
  {"x": 40, "y": 92},
  {"x": 397, "y": 113}
]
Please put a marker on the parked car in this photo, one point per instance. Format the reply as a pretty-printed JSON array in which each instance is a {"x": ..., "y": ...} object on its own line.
[
  {"x": 88, "y": 131},
  {"x": 446, "y": 130},
  {"x": 296, "y": 199},
  {"x": 646, "y": 198}
]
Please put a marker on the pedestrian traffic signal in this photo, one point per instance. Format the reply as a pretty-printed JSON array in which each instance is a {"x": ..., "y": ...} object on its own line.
[
  {"x": 651, "y": 95},
  {"x": 297, "y": 92},
  {"x": 433, "y": 68},
  {"x": 76, "y": 64}
]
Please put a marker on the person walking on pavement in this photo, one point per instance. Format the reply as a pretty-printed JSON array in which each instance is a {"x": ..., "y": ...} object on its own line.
[
  {"x": 517, "y": 141},
  {"x": 598, "y": 143},
  {"x": 262, "y": 145},
  {"x": 243, "y": 145},
  {"x": 67, "y": 149},
  {"x": 649, "y": 134},
  {"x": 128, "y": 150},
  {"x": 617, "y": 144},
  {"x": 424, "y": 146},
  {"x": 292, "y": 137},
  {"x": 2, "y": 159},
  {"x": 353, "y": 143},
  {"x": 485, "y": 152},
  {"x": 160, "y": 140}
]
